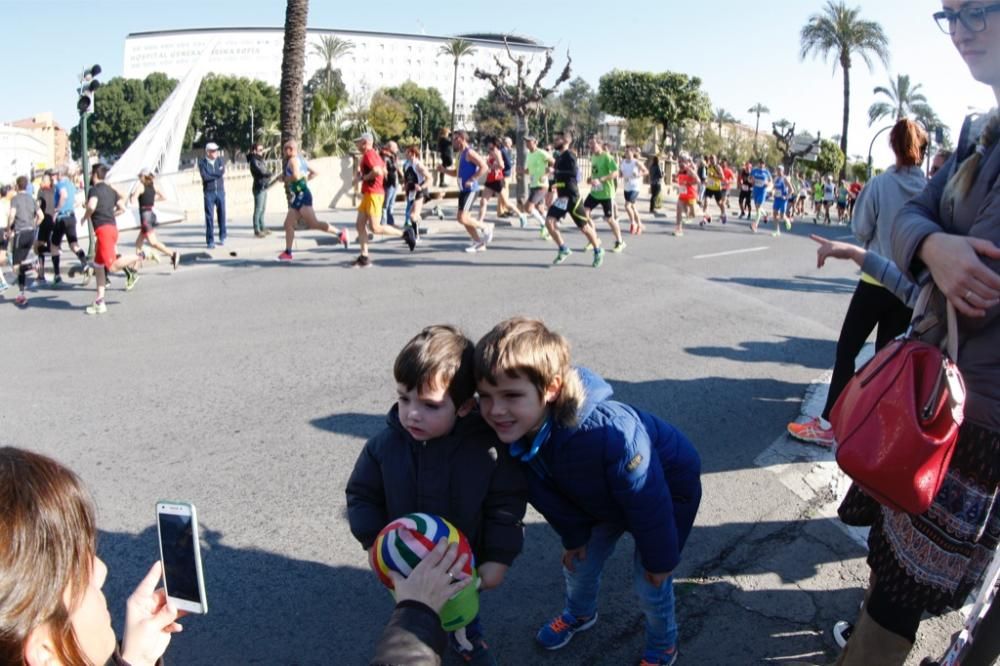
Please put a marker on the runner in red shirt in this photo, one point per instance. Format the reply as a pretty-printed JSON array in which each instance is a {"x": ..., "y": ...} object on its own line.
[
  {"x": 687, "y": 186},
  {"x": 371, "y": 172}
]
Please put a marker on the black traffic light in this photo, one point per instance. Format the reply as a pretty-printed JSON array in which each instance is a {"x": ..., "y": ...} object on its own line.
[{"x": 88, "y": 84}]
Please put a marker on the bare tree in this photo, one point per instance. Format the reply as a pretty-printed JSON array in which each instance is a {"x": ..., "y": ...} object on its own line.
[
  {"x": 522, "y": 97},
  {"x": 784, "y": 132}
]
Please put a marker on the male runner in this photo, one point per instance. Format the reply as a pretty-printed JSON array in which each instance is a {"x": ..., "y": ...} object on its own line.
[
  {"x": 47, "y": 204},
  {"x": 537, "y": 164},
  {"x": 632, "y": 171},
  {"x": 761, "y": 182},
  {"x": 746, "y": 189},
  {"x": 371, "y": 174},
  {"x": 297, "y": 174},
  {"x": 65, "y": 223},
  {"x": 687, "y": 191},
  {"x": 564, "y": 180},
  {"x": 603, "y": 173},
  {"x": 22, "y": 219},
  {"x": 470, "y": 168},
  {"x": 713, "y": 190},
  {"x": 782, "y": 194}
]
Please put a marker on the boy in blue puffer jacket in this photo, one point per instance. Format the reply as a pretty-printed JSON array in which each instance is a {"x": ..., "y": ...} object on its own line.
[{"x": 596, "y": 469}]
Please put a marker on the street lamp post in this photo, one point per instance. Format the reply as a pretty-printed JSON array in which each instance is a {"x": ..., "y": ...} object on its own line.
[
  {"x": 421, "y": 129},
  {"x": 252, "y": 138},
  {"x": 85, "y": 105},
  {"x": 871, "y": 146}
]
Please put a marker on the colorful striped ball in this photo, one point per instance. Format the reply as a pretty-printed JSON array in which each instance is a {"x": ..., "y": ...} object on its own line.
[{"x": 403, "y": 543}]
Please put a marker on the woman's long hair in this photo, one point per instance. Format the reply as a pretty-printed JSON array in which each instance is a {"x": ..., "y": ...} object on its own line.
[
  {"x": 909, "y": 142},
  {"x": 47, "y": 546},
  {"x": 960, "y": 184}
]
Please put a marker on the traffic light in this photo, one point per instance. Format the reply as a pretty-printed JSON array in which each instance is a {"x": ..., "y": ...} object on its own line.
[{"x": 88, "y": 85}]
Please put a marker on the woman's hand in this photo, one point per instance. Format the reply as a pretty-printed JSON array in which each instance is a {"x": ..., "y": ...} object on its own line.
[
  {"x": 954, "y": 261},
  {"x": 436, "y": 579},
  {"x": 149, "y": 621},
  {"x": 571, "y": 557},
  {"x": 837, "y": 250}
]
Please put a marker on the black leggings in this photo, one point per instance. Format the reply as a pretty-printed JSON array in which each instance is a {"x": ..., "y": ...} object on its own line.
[
  {"x": 654, "y": 192},
  {"x": 870, "y": 306}
]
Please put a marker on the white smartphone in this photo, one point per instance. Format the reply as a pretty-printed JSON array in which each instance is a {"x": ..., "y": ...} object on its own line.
[{"x": 180, "y": 552}]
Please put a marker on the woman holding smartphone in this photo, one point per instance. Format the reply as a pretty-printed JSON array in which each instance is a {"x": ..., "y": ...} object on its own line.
[{"x": 52, "y": 609}]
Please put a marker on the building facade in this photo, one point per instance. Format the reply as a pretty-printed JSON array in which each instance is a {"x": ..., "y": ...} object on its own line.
[
  {"x": 376, "y": 60},
  {"x": 31, "y": 144}
]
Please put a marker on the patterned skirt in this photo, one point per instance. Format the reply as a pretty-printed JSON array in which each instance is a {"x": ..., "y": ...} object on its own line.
[{"x": 933, "y": 560}]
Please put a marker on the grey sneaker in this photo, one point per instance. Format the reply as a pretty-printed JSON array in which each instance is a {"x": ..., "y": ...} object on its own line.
[{"x": 562, "y": 256}]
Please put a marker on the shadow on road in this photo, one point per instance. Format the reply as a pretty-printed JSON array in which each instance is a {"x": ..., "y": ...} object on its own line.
[
  {"x": 802, "y": 283},
  {"x": 353, "y": 424},
  {"x": 806, "y": 352}
]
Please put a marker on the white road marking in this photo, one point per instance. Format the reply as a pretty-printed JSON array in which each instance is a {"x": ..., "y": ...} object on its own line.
[{"x": 725, "y": 254}]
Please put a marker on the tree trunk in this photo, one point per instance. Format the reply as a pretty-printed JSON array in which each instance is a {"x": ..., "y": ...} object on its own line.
[
  {"x": 845, "y": 64},
  {"x": 520, "y": 161},
  {"x": 756, "y": 130},
  {"x": 454, "y": 95},
  {"x": 293, "y": 63}
]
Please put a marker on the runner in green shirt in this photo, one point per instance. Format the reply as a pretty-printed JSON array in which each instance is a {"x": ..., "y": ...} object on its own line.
[
  {"x": 604, "y": 172},
  {"x": 537, "y": 165}
]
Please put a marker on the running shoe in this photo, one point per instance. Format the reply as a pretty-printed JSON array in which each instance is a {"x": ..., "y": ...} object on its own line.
[
  {"x": 776, "y": 233},
  {"x": 342, "y": 237},
  {"x": 131, "y": 277},
  {"x": 363, "y": 261},
  {"x": 153, "y": 256},
  {"x": 285, "y": 256},
  {"x": 3, "y": 284},
  {"x": 598, "y": 257},
  {"x": 41, "y": 281},
  {"x": 409, "y": 238},
  {"x": 842, "y": 631},
  {"x": 88, "y": 273},
  {"x": 175, "y": 259},
  {"x": 522, "y": 220},
  {"x": 56, "y": 281},
  {"x": 753, "y": 227},
  {"x": 788, "y": 225},
  {"x": 476, "y": 247},
  {"x": 588, "y": 246},
  {"x": 560, "y": 630},
  {"x": 440, "y": 213},
  {"x": 98, "y": 308},
  {"x": 659, "y": 658},
  {"x": 488, "y": 234},
  {"x": 619, "y": 247},
  {"x": 562, "y": 255},
  {"x": 678, "y": 232},
  {"x": 543, "y": 233},
  {"x": 21, "y": 299},
  {"x": 812, "y": 432}
]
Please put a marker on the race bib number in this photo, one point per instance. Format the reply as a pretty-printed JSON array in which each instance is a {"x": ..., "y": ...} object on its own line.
[{"x": 561, "y": 203}]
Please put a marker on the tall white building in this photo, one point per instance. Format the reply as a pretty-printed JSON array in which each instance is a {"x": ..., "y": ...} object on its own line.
[{"x": 377, "y": 60}]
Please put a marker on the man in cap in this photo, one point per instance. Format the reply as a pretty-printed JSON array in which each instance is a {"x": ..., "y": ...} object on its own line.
[{"x": 213, "y": 170}]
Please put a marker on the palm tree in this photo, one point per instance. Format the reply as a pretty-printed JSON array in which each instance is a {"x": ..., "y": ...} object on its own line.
[
  {"x": 330, "y": 48},
  {"x": 456, "y": 48},
  {"x": 293, "y": 64},
  {"x": 757, "y": 109},
  {"x": 840, "y": 31},
  {"x": 722, "y": 116},
  {"x": 903, "y": 100}
]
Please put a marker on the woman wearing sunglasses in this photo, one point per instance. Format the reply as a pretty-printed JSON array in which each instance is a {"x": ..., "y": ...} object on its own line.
[{"x": 932, "y": 561}]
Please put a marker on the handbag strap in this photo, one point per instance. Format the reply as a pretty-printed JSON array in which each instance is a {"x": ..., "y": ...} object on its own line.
[{"x": 923, "y": 320}]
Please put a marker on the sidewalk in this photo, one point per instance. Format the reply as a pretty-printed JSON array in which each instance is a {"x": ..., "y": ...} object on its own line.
[{"x": 188, "y": 236}]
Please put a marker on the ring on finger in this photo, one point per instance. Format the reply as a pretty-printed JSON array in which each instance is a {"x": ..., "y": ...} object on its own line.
[
  {"x": 968, "y": 294},
  {"x": 451, "y": 575}
]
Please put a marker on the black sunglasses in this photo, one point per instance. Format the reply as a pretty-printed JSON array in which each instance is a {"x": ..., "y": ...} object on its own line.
[{"x": 973, "y": 17}]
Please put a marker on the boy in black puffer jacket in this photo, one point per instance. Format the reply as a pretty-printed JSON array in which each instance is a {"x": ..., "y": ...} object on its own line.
[{"x": 438, "y": 456}]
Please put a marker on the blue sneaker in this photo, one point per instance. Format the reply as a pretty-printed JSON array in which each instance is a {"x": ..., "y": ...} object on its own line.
[
  {"x": 468, "y": 642},
  {"x": 559, "y": 631},
  {"x": 659, "y": 658}
]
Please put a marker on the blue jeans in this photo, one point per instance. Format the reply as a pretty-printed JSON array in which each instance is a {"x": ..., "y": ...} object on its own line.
[
  {"x": 390, "y": 199},
  {"x": 259, "y": 204},
  {"x": 657, "y": 603},
  {"x": 215, "y": 202}
]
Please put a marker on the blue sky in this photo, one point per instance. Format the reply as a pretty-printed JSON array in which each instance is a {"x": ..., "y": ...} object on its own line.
[{"x": 744, "y": 52}]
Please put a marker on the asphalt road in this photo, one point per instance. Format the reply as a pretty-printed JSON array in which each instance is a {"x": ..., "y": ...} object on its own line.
[{"x": 248, "y": 387}]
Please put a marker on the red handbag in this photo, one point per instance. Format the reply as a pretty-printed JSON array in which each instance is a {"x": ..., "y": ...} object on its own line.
[{"x": 897, "y": 421}]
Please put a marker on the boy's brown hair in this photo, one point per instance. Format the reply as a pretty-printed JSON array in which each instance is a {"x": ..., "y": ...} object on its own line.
[
  {"x": 438, "y": 356},
  {"x": 523, "y": 347}
]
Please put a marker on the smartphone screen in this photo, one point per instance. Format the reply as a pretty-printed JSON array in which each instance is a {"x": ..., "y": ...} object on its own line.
[{"x": 179, "y": 550}]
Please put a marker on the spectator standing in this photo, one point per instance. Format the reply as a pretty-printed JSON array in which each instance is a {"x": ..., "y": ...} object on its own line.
[
  {"x": 261, "y": 180},
  {"x": 389, "y": 153},
  {"x": 213, "y": 171},
  {"x": 655, "y": 181}
]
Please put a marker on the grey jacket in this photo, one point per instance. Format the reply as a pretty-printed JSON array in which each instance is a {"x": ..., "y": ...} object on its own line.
[
  {"x": 978, "y": 215},
  {"x": 880, "y": 201}
]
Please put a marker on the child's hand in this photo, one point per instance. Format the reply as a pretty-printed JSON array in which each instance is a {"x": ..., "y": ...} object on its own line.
[
  {"x": 491, "y": 574},
  {"x": 657, "y": 579},
  {"x": 571, "y": 557}
]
